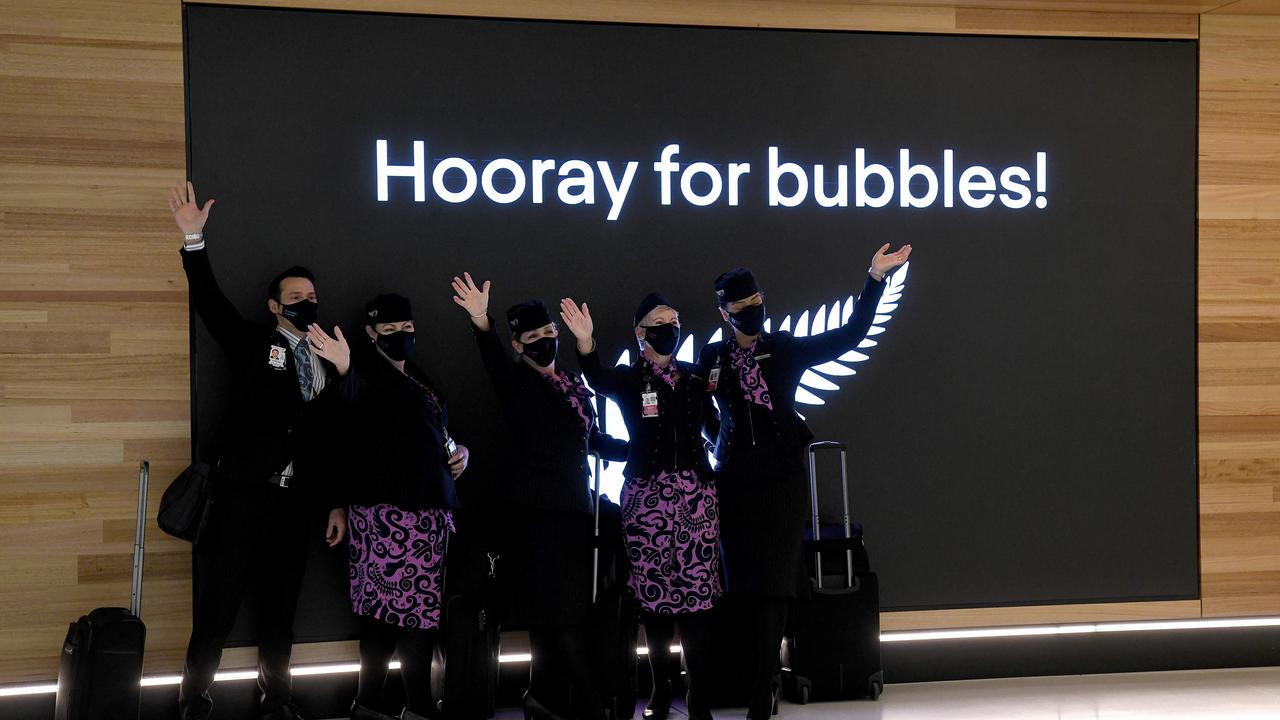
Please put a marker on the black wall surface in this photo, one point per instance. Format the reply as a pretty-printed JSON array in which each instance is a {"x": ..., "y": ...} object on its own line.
[{"x": 1024, "y": 430}]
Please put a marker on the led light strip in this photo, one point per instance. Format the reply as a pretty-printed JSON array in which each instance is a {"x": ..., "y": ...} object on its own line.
[
  {"x": 897, "y": 636},
  {"x": 1077, "y": 629}
]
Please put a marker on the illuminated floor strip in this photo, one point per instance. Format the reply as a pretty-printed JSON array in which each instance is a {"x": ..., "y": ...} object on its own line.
[
  {"x": 1077, "y": 629},
  {"x": 15, "y": 690},
  {"x": 897, "y": 636}
]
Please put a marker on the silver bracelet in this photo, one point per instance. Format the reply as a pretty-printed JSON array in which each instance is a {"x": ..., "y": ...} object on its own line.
[
  {"x": 193, "y": 237},
  {"x": 486, "y": 312}
]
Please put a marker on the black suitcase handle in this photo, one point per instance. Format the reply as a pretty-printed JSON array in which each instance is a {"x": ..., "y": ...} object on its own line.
[{"x": 814, "y": 447}]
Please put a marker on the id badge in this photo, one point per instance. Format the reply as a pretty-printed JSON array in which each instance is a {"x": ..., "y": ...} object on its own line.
[
  {"x": 276, "y": 357},
  {"x": 649, "y": 404},
  {"x": 450, "y": 447},
  {"x": 713, "y": 379}
]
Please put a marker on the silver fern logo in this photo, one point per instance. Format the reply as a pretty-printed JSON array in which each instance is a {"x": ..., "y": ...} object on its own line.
[{"x": 817, "y": 380}]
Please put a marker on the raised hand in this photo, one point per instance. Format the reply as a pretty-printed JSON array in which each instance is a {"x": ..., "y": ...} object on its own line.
[
  {"x": 334, "y": 349},
  {"x": 884, "y": 262},
  {"x": 189, "y": 215},
  {"x": 578, "y": 320},
  {"x": 473, "y": 299}
]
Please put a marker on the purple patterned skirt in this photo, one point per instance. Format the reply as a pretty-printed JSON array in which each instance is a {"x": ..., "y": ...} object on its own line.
[
  {"x": 672, "y": 527},
  {"x": 397, "y": 557}
]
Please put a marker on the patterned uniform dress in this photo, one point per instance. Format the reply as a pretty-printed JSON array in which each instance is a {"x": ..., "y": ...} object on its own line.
[
  {"x": 397, "y": 559},
  {"x": 671, "y": 522}
]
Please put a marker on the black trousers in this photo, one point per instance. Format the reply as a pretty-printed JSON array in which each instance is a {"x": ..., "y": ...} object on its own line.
[
  {"x": 255, "y": 542},
  {"x": 767, "y": 618}
]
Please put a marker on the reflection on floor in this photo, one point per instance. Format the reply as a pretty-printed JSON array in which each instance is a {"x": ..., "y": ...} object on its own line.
[{"x": 1240, "y": 694}]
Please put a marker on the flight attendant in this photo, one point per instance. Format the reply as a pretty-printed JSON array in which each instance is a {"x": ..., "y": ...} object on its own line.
[
  {"x": 760, "y": 451},
  {"x": 401, "y": 512},
  {"x": 669, "y": 508},
  {"x": 552, "y": 424}
]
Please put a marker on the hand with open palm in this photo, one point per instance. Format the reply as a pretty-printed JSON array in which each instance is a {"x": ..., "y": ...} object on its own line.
[{"x": 186, "y": 211}]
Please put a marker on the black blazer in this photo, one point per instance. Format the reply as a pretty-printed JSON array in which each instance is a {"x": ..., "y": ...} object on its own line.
[
  {"x": 674, "y": 439},
  {"x": 546, "y": 465},
  {"x": 783, "y": 358},
  {"x": 269, "y": 423},
  {"x": 400, "y": 436}
]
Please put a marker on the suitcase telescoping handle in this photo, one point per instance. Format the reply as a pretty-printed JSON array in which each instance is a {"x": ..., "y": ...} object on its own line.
[
  {"x": 139, "y": 540},
  {"x": 814, "y": 447},
  {"x": 595, "y": 533}
]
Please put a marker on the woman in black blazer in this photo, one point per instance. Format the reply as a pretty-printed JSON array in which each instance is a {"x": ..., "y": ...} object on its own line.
[
  {"x": 760, "y": 451},
  {"x": 401, "y": 510},
  {"x": 670, "y": 513},
  {"x": 552, "y": 431}
]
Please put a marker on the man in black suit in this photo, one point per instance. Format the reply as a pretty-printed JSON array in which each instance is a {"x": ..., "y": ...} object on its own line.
[{"x": 267, "y": 472}]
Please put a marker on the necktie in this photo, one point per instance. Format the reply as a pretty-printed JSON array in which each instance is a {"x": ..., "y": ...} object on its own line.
[{"x": 306, "y": 375}]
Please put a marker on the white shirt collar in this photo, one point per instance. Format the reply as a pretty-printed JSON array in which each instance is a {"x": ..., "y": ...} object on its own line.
[{"x": 293, "y": 339}]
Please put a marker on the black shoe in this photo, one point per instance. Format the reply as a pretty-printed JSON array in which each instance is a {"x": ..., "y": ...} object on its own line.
[
  {"x": 534, "y": 710},
  {"x": 659, "y": 702},
  {"x": 360, "y": 712},
  {"x": 284, "y": 712}
]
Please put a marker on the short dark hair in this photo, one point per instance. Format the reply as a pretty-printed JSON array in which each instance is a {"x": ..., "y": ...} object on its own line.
[{"x": 273, "y": 290}]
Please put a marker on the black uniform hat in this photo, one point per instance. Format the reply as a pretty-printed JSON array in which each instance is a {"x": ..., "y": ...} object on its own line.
[
  {"x": 647, "y": 305},
  {"x": 387, "y": 308},
  {"x": 526, "y": 316},
  {"x": 736, "y": 284}
]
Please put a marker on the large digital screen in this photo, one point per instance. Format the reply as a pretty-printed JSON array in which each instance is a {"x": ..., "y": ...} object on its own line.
[{"x": 1020, "y": 422}]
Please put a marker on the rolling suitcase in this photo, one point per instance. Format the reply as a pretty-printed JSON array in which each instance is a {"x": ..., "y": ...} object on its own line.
[
  {"x": 831, "y": 650},
  {"x": 613, "y": 621},
  {"x": 100, "y": 672},
  {"x": 464, "y": 666}
]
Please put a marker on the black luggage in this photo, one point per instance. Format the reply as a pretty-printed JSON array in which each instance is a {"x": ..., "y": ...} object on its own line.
[
  {"x": 613, "y": 622},
  {"x": 100, "y": 673},
  {"x": 831, "y": 650},
  {"x": 464, "y": 666}
]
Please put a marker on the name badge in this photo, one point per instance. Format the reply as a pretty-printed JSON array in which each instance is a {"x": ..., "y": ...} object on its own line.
[
  {"x": 276, "y": 357},
  {"x": 713, "y": 379},
  {"x": 649, "y": 404},
  {"x": 450, "y": 447}
]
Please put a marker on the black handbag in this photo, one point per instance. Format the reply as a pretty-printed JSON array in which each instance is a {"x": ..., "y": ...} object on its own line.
[{"x": 184, "y": 508}]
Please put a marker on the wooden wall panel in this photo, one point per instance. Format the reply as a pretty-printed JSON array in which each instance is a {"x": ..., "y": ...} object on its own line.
[
  {"x": 93, "y": 317},
  {"x": 1239, "y": 314}
]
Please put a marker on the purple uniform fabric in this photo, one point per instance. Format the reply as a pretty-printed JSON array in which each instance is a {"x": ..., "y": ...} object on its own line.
[
  {"x": 672, "y": 527},
  {"x": 397, "y": 558},
  {"x": 750, "y": 380},
  {"x": 668, "y": 373},
  {"x": 575, "y": 392}
]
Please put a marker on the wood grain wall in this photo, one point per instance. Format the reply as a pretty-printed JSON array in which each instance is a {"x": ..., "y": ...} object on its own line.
[
  {"x": 1239, "y": 314},
  {"x": 93, "y": 317}
]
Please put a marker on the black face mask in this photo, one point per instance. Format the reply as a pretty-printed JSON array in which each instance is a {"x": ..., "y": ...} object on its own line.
[
  {"x": 541, "y": 351},
  {"x": 749, "y": 320},
  {"x": 664, "y": 339},
  {"x": 397, "y": 345},
  {"x": 302, "y": 313}
]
